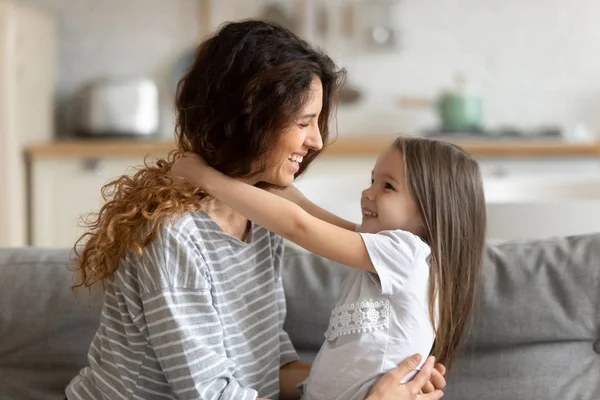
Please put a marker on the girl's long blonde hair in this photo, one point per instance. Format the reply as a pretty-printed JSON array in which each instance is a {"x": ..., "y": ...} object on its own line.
[{"x": 446, "y": 183}]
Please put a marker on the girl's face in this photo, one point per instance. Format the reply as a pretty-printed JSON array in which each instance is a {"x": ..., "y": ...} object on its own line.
[
  {"x": 293, "y": 145},
  {"x": 387, "y": 203}
]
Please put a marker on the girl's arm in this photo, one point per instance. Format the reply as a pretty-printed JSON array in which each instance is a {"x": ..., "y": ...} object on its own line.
[
  {"x": 279, "y": 215},
  {"x": 288, "y": 220},
  {"x": 294, "y": 195}
]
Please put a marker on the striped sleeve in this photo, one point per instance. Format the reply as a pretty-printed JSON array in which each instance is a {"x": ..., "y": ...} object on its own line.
[
  {"x": 184, "y": 328},
  {"x": 286, "y": 348},
  {"x": 186, "y": 335}
]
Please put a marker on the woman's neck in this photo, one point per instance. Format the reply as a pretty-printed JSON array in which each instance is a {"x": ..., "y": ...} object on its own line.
[{"x": 230, "y": 221}]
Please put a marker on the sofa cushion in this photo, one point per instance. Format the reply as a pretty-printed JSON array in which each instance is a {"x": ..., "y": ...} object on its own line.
[
  {"x": 537, "y": 323},
  {"x": 536, "y": 334},
  {"x": 537, "y": 328},
  {"x": 45, "y": 329}
]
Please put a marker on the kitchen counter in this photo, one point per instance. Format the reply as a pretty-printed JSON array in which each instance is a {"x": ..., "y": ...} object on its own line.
[{"x": 366, "y": 145}]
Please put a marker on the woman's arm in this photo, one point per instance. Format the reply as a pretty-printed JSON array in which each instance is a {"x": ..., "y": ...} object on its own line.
[
  {"x": 294, "y": 195},
  {"x": 290, "y": 376},
  {"x": 280, "y": 216},
  {"x": 184, "y": 329}
]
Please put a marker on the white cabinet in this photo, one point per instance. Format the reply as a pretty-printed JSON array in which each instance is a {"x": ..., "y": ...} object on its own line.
[
  {"x": 510, "y": 167},
  {"x": 63, "y": 190}
]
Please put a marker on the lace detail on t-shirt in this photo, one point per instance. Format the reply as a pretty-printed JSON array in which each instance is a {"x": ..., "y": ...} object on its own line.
[{"x": 358, "y": 317}]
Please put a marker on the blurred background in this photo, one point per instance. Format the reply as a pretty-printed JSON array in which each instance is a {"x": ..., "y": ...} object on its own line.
[{"x": 87, "y": 87}]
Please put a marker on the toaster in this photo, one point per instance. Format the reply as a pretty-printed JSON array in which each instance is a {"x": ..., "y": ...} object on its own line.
[{"x": 119, "y": 107}]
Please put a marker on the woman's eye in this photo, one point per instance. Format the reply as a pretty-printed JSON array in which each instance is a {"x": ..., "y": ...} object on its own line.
[
  {"x": 372, "y": 181},
  {"x": 388, "y": 186},
  {"x": 305, "y": 125}
]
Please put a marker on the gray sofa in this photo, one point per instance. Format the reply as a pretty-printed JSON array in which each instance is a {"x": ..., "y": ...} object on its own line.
[{"x": 536, "y": 335}]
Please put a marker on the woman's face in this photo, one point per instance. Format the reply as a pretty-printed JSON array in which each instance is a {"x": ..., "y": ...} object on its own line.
[{"x": 293, "y": 145}]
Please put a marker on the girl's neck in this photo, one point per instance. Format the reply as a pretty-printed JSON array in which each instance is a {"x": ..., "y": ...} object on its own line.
[{"x": 230, "y": 221}]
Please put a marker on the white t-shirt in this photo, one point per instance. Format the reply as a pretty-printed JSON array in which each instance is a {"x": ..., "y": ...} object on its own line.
[{"x": 379, "y": 319}]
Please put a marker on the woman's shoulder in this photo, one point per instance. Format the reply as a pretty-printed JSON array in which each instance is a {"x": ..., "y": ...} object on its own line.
[
  {"x": 174, "y": 257},
  {"x": 190, "y": 222},
  {"x": 192, "y": 231}
]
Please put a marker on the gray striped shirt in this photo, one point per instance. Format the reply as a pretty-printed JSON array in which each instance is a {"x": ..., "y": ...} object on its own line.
[{"x": 198, "y": 316}]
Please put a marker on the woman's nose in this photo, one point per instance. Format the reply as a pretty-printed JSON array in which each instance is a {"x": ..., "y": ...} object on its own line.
[{"x": 314, "y": 140}]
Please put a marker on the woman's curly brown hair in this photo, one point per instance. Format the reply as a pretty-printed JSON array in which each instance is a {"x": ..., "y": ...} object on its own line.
[{"x": 247, "y": 84}]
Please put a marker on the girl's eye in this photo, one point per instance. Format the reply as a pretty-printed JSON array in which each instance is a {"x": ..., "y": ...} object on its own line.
[
  {"x": 372, "y": 181},
  {"x": 388, "y": 186},
  {"x": 305, "y": 125}
]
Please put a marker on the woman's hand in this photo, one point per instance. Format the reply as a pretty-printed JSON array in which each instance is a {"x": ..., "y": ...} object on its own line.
[
  {"x": 389, "y": 387},
  {"x": 436, "y": 380},
  {"x": 189, "y": 167}
]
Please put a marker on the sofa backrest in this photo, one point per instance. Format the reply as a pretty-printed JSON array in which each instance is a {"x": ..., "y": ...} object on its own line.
[
  {"x": 536, "y": 334},
  {"x": 45, "y": 329}
]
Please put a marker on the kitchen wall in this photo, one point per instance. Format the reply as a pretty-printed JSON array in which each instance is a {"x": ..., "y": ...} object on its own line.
[
  {"x": 120, "y": 38},
  {"x": 536, "y": 62}
]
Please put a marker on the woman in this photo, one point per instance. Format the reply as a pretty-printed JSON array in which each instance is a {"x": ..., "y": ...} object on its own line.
[{"x": 194, "y": 305}]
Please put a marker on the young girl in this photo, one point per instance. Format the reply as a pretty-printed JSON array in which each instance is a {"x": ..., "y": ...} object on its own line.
[{"x": 416, "y": 258}]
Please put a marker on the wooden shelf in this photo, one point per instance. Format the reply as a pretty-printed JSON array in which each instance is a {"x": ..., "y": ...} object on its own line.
[
  {"x": 101, "y": 148},
  {"x": 478, "y": 147},
  {"x": 348, "y": 146}
]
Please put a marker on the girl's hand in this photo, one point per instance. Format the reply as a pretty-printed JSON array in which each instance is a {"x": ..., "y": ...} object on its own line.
[
  {"x": 189, "y": 168},
  {"x": 389, "y": 387}
]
